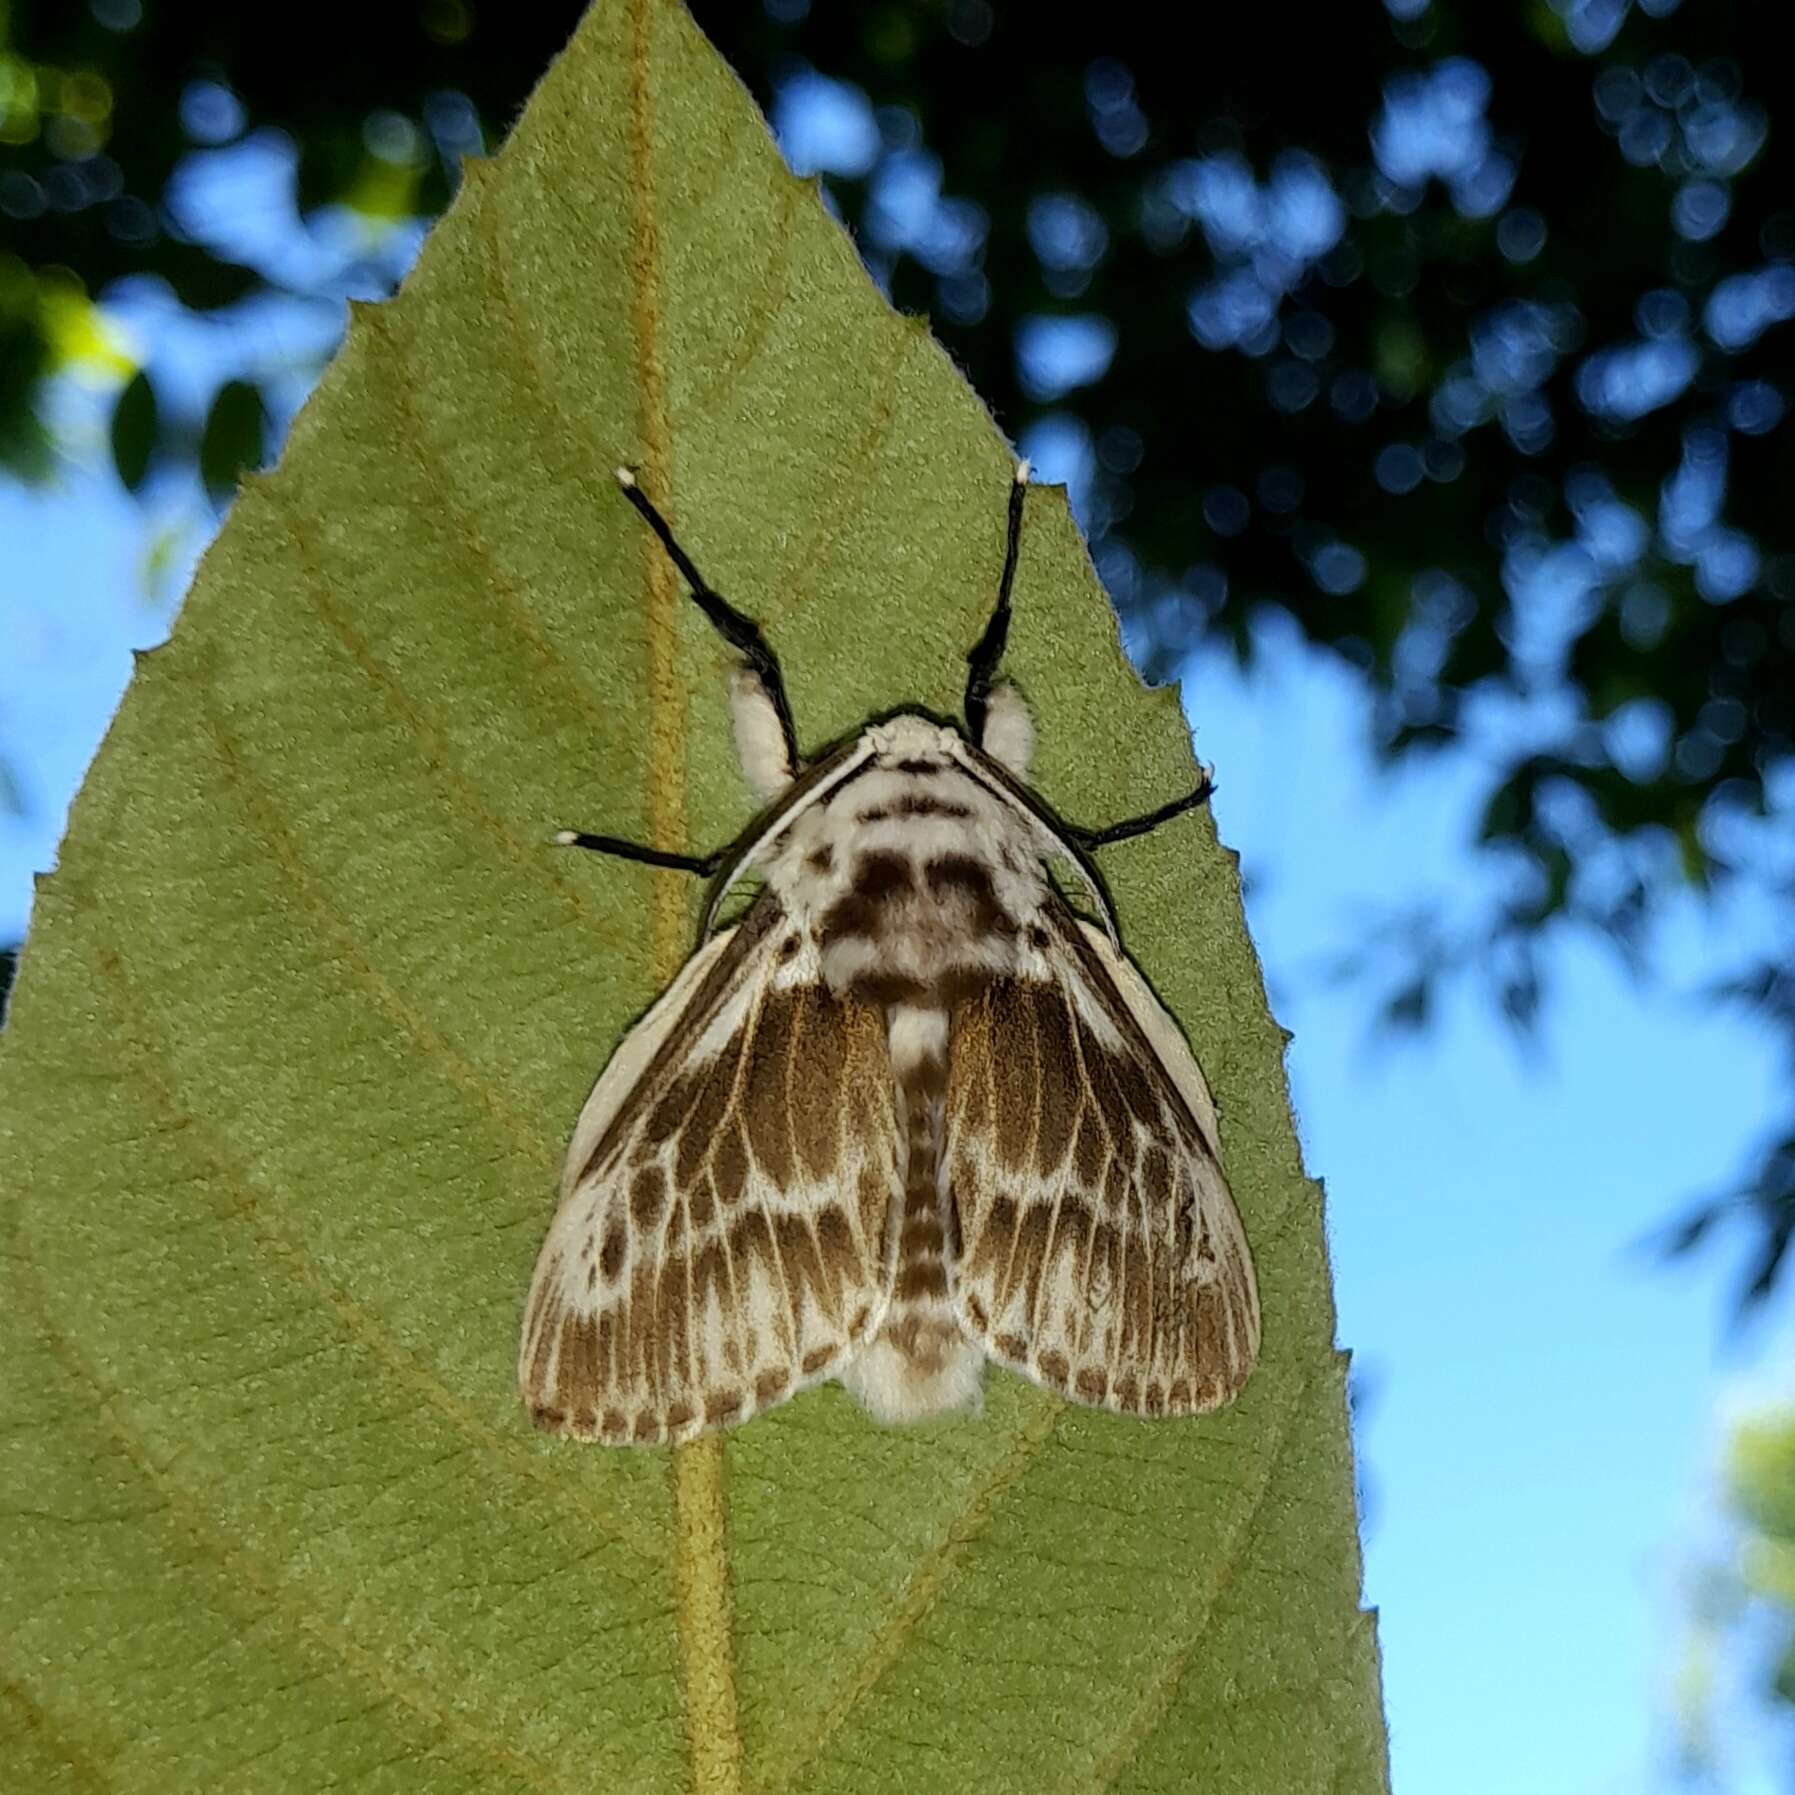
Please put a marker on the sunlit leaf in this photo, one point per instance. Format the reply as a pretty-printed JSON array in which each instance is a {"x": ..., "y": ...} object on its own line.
[
  {"x": 83, "y": 340},
  {"x": 310, "y": 1004}
]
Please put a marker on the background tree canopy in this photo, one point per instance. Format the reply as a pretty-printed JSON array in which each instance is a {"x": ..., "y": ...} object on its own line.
[{"x": 1457, "y": 335}]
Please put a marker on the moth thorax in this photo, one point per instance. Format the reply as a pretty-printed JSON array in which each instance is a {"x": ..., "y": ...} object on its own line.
[{"x": 916, "y": 885}]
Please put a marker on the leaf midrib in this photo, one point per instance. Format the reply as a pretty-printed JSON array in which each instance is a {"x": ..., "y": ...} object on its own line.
[{"x": 701, "y": 1572}]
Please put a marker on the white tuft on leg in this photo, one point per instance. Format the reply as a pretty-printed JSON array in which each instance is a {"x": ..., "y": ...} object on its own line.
[
  {"x": 759, "y": 741},
  {"x": 1009, "y": 730}
]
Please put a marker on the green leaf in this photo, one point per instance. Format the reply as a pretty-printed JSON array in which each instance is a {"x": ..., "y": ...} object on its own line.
[
  {"x": 134, "y": 424},
  {"x": 234, "y": 440},
  {"x": 310, "y": 1005}
]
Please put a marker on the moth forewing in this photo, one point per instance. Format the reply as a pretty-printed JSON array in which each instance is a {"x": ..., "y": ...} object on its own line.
[
  {"x": 1164, "y": 1036},
  {"x": 640, "y": 1049},
  {"x": 1101, "y": 1251},
  {"x": 1227, "y": 1259},
  {"x": 723, "y": 1238}
]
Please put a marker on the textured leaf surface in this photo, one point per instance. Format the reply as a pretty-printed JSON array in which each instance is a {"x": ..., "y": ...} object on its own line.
[{"x": 309, "y": 1008}]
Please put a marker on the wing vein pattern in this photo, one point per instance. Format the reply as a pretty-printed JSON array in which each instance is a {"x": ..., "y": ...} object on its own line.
[{"x": 1100, "y": 1250}]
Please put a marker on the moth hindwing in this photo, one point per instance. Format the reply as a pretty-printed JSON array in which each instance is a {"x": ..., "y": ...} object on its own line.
[{"x": 909, "y": 1113}]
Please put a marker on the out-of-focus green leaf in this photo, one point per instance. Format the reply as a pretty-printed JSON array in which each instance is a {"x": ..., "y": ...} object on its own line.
[
  {"x": 134, "y": 424},
  {"x": 310, "y": 1005},
  {"x": 24, "y": 362},
  {"x": 234, "y": 440}
]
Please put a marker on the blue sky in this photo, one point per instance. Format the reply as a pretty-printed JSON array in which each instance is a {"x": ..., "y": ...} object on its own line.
[
  {"x": 1544, "y": 1400},
  {"x": 1544, "y": 1396}
]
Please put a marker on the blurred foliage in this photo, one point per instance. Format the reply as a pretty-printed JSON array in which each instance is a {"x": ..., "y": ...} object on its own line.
[
  {"x": 1460, "y": 334},
  {"x": 1740, "y": 1663},
  {"x": 1762, "y": 1478}
]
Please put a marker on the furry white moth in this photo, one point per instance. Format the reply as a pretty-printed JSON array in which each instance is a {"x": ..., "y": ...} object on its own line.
[{"x": 910, "y": 1113}]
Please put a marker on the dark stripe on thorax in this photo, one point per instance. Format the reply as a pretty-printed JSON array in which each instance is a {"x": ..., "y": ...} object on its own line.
[{"x": 915, "y": 804}]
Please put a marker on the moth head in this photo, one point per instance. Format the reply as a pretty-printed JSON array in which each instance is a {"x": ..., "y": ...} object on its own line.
[
  {"x": 1009, "y": 736},
  {"x": 907, "y": 737}
]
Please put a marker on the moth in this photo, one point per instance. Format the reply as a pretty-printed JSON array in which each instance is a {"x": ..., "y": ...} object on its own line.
[{"x": 911, "y": 1112}]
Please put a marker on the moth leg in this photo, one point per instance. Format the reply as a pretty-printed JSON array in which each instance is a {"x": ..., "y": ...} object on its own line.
[
  {"x": 1144, "y": 825},
  {"x": 981, "y": 663},
  {"x": 741, "y": 633},
  {"x": 702, "y": 864}
]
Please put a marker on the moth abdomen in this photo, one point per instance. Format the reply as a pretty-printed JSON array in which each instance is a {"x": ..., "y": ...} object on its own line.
[{"x": 921, "y": 1362}]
